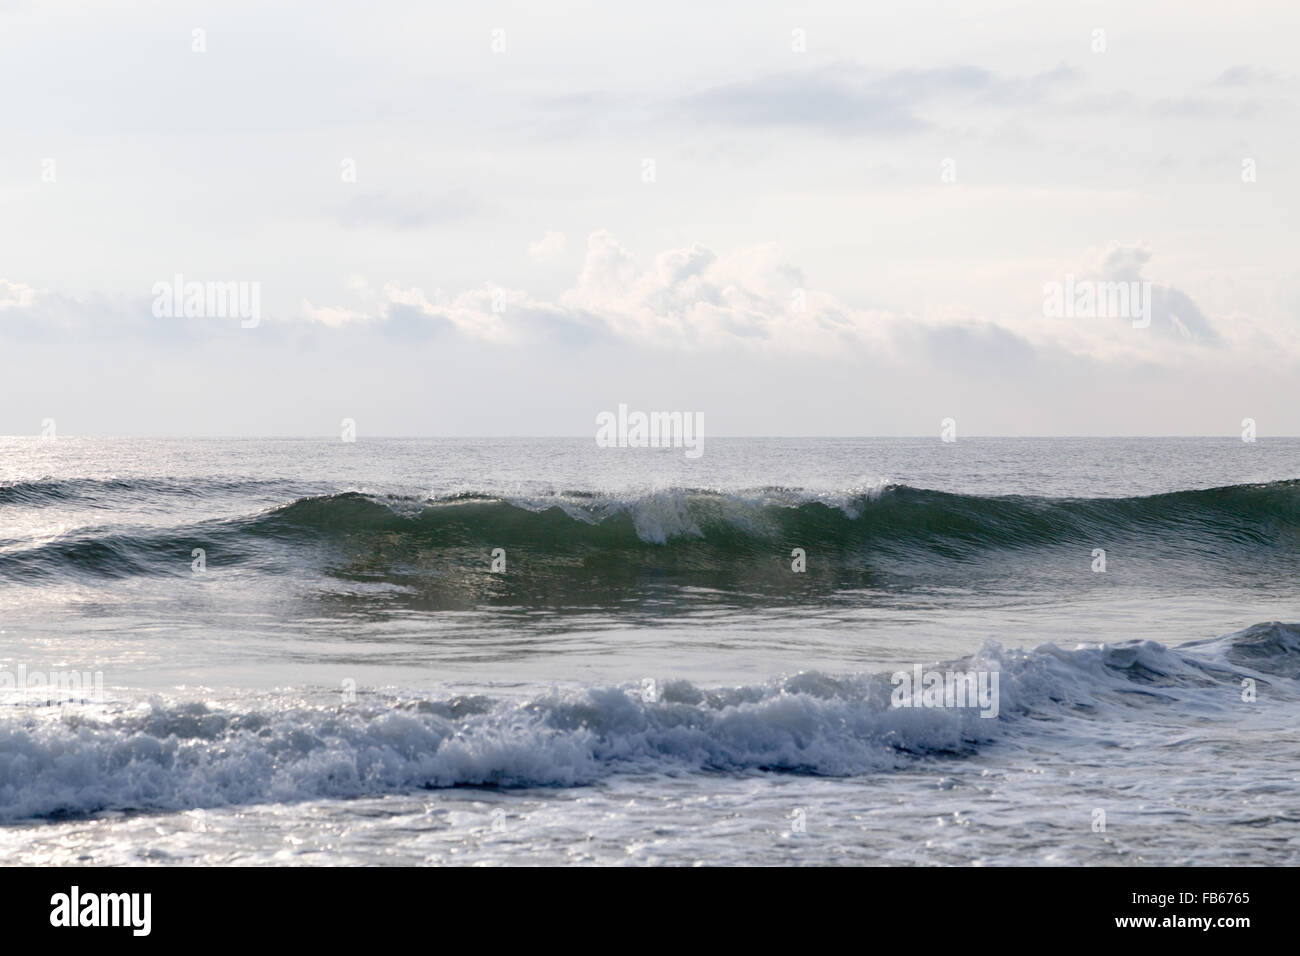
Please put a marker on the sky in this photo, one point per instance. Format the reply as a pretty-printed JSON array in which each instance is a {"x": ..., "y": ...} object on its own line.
[{"x": 504, "y": 219}]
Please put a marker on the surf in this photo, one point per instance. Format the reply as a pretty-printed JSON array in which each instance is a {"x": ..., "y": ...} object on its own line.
[{"x": 171, "y": 755}]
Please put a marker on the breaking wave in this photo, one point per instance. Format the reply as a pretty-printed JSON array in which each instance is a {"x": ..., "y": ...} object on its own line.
[
  {"x": 169, "y": 756},
  {"x": 703, "y": 527}
]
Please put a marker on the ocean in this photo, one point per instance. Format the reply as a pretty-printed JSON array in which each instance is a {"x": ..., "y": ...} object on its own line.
[{"x": 542, "y": 651}]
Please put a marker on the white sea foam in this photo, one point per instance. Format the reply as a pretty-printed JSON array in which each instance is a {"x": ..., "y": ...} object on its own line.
[{"x": 166, "y": 755}]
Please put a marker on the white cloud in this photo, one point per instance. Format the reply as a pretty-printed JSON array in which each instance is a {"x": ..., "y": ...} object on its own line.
[
  {"x": 335, "y": 317},
  {"x": 15, "y": 296},
  {"x": 693, "y": 300},
  {"x": 753, "y": 300},
  {"x": 547, "y": 247}
]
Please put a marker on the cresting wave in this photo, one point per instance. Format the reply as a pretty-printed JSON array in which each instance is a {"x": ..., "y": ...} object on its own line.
[
  {"x": 897, "y": 513},
  {"x": 168, "y": 756},
  {"x": 725, "y": 527}
]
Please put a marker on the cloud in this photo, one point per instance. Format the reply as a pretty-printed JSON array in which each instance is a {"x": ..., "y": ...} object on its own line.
[
  {"x": 1246, "y": 76},
  {"x": 848, "y": 99},
  {"x": 1197, "y": 106},
  {"x": 36, "y": 315},
  {"x": 547, "y": 247},
  {"x": 405, "y": 212},
  {"x": 830, "y": 101},
  {"x": 335, "y": 317},
  {"x": 686, "y": 298},
  {"x": 1123, "y": 261},
  {"x": 1173, "y": 312},
  {"x": 15, "y": 296},
  {"x": 691, "y": 300},
  {"x": 694, "y": 300}
]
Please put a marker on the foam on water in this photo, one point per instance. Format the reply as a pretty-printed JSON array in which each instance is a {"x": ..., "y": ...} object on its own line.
[{"x": 174, "y": 755}]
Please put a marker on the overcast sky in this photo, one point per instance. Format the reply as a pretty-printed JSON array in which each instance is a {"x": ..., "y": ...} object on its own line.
[{"x": 502, "y": 219}]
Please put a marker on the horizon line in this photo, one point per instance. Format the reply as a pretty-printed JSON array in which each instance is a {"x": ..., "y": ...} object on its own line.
[{"x": 335, "y": 438}]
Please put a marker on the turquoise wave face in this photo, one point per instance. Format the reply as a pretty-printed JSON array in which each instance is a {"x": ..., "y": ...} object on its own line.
[{"x": 769, "y": 545}]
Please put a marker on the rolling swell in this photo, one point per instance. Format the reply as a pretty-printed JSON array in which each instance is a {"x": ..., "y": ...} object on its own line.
[
  {"x": 713, "y": 538},
  {"x": 896, "y": 515},
  {"x": 109, "y": 492}
]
